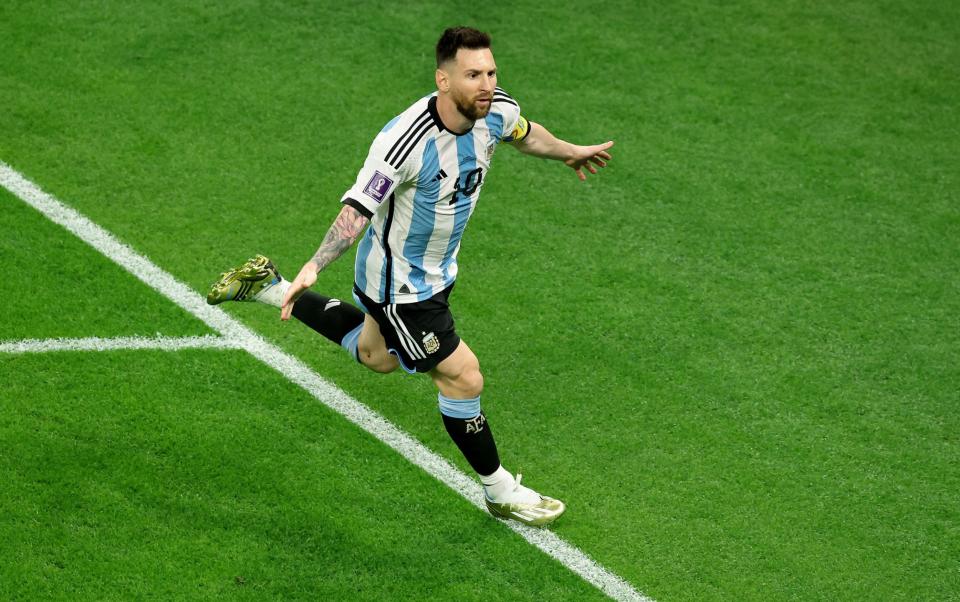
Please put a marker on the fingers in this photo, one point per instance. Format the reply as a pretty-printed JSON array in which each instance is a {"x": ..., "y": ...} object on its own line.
[
  {"x": 602, "y": 150},
  {"x": 595, "y": 155},
  {"x": 286, "y": 308},
  {"x": 304, "y": 280},
  {"x": 293, "y": 293}
]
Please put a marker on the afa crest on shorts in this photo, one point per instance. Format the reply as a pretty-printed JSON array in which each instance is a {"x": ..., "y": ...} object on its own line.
[{"x": 431, "y": 344}]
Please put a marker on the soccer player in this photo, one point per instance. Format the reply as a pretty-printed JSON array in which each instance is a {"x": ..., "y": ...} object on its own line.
[{"x": 416, "y": 191}]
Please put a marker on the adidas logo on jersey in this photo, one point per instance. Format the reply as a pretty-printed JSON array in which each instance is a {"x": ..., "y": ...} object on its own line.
[{"x": 440, "y": 176}]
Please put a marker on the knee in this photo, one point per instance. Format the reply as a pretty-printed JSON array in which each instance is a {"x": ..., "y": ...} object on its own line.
[
  {"x": 470, "y": 382},
  {"x": 459, "y": 376}
]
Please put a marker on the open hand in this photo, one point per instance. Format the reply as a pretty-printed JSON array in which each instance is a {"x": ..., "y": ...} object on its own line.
[
  {"x": 590, "y": 157},
  {"x": 304, "y": 280}
]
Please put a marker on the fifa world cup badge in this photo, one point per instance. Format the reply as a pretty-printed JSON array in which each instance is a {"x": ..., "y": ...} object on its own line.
[
  {"x": 431, "y": 344},
  {"x": 378, "y": 186}
]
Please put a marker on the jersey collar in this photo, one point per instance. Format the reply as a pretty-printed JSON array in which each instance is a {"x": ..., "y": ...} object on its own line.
[{"x": 432, "y": 107}]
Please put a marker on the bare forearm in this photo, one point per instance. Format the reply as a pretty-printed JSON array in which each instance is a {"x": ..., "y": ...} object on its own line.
[
  {"x": 345, "y": 230},
  {"x": 541, "y": 143}
]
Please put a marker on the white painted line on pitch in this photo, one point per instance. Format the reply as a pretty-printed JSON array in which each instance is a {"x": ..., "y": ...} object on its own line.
[
  {"x": 298, "y": 372},
  {"x": 117, "y": 343}
]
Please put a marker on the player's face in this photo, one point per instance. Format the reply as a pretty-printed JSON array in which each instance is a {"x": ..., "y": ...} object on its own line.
[{"x": 473, "y": 76}]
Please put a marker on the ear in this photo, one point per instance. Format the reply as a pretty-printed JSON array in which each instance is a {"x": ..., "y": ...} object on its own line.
[{"x": 443, "y": 80}]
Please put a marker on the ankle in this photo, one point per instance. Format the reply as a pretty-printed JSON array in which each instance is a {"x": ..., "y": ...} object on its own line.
[
  {"x": 497, "y": 484},
  {"x": 273, "y": 294}
]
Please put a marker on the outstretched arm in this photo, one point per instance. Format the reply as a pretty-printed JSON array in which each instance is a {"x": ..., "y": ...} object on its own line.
[
  {"x": 341, "y": 235},
  {"x": 541, "y": 143}
]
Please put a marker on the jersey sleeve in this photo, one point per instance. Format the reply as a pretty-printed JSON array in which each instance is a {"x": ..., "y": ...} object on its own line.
[
  {"x": 377, "y": 179},
  {"x": 515, "y": 126}
]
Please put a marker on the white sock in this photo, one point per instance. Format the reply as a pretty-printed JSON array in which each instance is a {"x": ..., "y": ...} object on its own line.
[
  {"x": 502, "y": 488},
  {"x": 273, "y": 294},
  {"x": 498, "y": 483}
]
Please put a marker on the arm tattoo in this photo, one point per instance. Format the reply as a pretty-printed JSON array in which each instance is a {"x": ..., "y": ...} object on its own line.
[{"x": 345, "y": 229}]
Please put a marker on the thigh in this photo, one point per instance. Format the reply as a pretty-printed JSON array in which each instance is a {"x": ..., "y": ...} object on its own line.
[
  {"x": 460, "y": 361},
  {"x": 371, "y": 338},
  {"x": 421, "y": 335},
  {"x": 373, "y": 348},
  {"x": 458, "y": 376}
]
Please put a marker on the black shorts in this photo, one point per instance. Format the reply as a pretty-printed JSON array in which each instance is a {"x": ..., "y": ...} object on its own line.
[{"x": 420, "y": 334}]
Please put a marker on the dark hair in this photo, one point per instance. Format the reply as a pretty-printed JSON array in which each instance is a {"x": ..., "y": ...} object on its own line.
[{"x": 455, "y": 38}]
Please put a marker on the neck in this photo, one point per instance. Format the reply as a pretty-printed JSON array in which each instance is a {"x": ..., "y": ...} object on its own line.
[{"x": 452, "y": 118}]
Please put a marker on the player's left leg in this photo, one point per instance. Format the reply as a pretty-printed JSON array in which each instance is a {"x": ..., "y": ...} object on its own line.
[{"x": 372, "y": 348}]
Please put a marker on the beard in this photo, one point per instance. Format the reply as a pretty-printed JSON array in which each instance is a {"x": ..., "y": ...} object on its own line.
[{"x": 471, "y": 110}]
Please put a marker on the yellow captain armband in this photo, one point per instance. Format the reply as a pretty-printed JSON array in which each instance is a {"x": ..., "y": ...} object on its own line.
[{"x": 519, "y": 132}]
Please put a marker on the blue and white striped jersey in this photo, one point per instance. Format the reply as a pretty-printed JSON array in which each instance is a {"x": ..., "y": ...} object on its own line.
[{"x": 419, "y": 186}]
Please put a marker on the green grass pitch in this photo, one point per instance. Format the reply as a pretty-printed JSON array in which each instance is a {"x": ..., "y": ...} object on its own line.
[{"x": 734, "y": 354}]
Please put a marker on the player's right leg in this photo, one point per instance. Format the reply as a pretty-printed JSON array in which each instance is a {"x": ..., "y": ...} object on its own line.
[
  {"x": 258, "y": 280},
  {"x": 424, "y": 339},
  {"x": 460, "y": 382}
]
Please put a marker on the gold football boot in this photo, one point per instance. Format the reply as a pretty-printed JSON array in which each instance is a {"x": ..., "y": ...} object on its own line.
[
  {"x": 538, "y": 514},
  {"x": 245, "y": 282}
]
